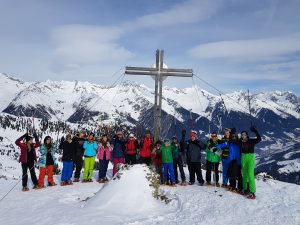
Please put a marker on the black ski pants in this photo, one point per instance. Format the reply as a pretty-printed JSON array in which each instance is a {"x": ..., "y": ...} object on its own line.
[
  {"x": 195, "y": 168},
  {"x": 211, "y": 166},
  {"x": 30, "y": 167}
]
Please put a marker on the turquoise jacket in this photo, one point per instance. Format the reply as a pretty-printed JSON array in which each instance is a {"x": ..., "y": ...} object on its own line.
[
  {"x": 43, "y": 154},
  {"x": 90, "y": 149}
]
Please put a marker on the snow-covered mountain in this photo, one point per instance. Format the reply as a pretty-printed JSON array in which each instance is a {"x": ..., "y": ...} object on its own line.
[{"x": 276, "y": 114}]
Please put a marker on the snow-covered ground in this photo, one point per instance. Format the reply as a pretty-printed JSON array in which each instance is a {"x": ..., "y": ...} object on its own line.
[{"x": 129, "y": 200}]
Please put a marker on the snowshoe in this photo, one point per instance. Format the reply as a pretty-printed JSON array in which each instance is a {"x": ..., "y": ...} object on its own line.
[
  {"x": 63, "y": 183},
  {"x": 51, "y": 184},
  {"x": 217, "y": 185},
  {"x": 69, "y": 182},
  {"x": 251, "y": 196},
  {"x": 201, "y": 184},
  {"x": 36, "y": 187},
  {"x": 172, "y": 185},
  {"x": 101, "y": 181},
  {"x": 183, "y": 183},
  {"x": 76, "y": 180},
  {"x": 25, "y": 189},
  {"x": 84, "y": 180},
  {"x": 191, "y": 183}
]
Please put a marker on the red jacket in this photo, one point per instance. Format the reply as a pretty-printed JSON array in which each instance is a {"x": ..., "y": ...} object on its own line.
[
  {"x": 146, "y": 147},
  {"x": 131, "y": 146},
  {"x": 23, "y": 146}
]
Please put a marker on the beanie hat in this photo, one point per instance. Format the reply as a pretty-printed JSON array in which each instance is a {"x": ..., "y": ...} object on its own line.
[
  {"x": 131, "y": 135},
  {"x": 148, "y": 132},
  {"x": 167, "y": 141},
  {"x": 68, "y": 136},
  {"x": 194, "y": 132},
  {"x": 28, "y": 138}
]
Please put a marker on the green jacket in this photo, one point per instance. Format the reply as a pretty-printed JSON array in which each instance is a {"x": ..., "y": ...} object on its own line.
[
  {"x": 166, "y": 153},
  {"x": 210, "y": 156}
]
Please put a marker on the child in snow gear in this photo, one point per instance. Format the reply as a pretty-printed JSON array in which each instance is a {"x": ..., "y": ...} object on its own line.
[
  {"x": 157, "y": 161},
  {"x": 104, "y": 151},
  {"x": 177, "y": 161},
  {"x": 118, "y": 151},
  {"x": 194, "y": 148},
  {"x": 131, "y": 149},
  {"x": 78, "y": 161},
  {"x": 146, "y": 148},
  {"x": 90, "y": 149},
  {"x": 166, "y": 151},
  {"x": 28, "y": 158},
  {"x": 46, "y": 162},
  {"x": 69, "y": 147},
  {"x": 212, "y": 159},
  {"x": 233, "y": 160},
  {"x": 248, "y": 160},
  {"x": 224, "y": 156}
]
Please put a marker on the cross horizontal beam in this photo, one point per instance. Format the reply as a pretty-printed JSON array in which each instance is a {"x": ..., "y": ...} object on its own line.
[{"x": 154, "y": 72}]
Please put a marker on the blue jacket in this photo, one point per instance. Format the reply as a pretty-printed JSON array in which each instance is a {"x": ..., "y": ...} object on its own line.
[
  {"x": 119, "y": 147},
  {"x": 90, "y": 149},
  {"x": 43, "y": 155},
  {"x": 234, "y": 151}
]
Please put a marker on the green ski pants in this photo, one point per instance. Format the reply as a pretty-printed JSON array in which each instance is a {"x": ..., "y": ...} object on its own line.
[
  {"x": 89, "y": 163},
  {"x": 248, "y": 165}
]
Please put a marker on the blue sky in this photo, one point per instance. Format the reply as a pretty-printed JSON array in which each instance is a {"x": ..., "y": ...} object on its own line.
[{"x": 232, "y": 44}]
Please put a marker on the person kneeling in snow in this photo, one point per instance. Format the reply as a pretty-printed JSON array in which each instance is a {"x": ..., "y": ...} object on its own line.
[
  {"x": 69, "y": 147},
  {"x": 104, "y": 151},
  {"x": 46, "y": 162},
  {"x": 167, "y": 159}
]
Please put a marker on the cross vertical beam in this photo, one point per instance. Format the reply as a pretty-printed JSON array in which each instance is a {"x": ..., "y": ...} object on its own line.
[{"x": 159, "y": 74}]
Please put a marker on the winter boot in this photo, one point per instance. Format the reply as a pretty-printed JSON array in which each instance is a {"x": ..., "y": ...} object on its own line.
[
  {"x": 251, "y": 196},
  {"x": 76, "y": 180},
  {"x": 191, "y": 183},
  {"x": 63, "y": 183},
  {"x": 52, "y": 184},
  {"x": 25, "y": 189},
  {"x": 183, "y": 183}
]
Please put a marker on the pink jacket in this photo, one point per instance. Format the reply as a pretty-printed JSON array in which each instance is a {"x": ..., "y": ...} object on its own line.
[{"x": 101, "y": 149}]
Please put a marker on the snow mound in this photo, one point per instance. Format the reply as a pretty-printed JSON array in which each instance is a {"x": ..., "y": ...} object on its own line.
[{"x": 129, "y": 196}]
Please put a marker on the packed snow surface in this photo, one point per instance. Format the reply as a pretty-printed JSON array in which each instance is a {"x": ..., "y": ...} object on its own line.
[{"x": 129, "y": 200}]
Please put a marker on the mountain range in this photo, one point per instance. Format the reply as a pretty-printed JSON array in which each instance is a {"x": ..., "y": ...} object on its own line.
[{"x": 275, "y": 114}]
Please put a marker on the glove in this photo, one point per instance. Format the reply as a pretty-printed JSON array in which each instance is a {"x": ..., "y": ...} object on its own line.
[
  {"x": 213, "y": 149},
  {"x": 108, "y": 145},
  {"x": 253, "y": 129},
  {"x": 183, "y": 132},
  {"x": 35, "y": 135}
]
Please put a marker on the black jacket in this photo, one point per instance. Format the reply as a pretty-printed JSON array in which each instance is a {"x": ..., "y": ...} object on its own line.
[
  {"x": 79, "y": 147},
  {"x": 68, "y": 150},
  {"x": 248, "y": 146},
  {"x": 194, "y": 149}
]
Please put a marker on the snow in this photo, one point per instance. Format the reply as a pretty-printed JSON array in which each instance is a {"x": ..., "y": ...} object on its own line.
[
  {"x": 289, "y": 166},
  {"x": 129, "y": 201}
]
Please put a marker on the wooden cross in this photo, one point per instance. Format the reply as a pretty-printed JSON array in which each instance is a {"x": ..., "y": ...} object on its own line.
[{"x": 159, "y": 73}]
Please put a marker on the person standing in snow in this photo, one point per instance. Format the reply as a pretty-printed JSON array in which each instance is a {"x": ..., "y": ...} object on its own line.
[
  {"x": 28, "y": 158},
  {"x": 90, "y": 150},
  {"x": 46, "y": 162},
  {"x": 167, "y": 151},
  {"x": 131, "y": 149},
  {"x": 78, "y": 159},
  {"x": 69, "y": 147},
  {"x": 103, "y": 154},
  {"x": 233, "y": 161},
  {"x": 118, "y": 152},
  {"x": 212, "y": 159},
  {"x": 157, "y": 161},
  {"x": 177, "y": 161},
  {"x": 194, "y": 148},
  {"x": 224, "y": 156},
  {"x": 146, "y": 146},
  {"x": 248, "y": 161}
]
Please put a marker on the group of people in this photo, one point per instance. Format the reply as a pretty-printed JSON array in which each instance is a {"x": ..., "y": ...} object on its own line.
[{"x": 235, "y": 154}]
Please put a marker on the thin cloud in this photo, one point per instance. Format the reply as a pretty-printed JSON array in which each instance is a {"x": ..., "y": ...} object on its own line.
[
  {"x": 247, "y": 49},
  {"x": 79, "y": 45},
  {"x": 187, "y": 12}
]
